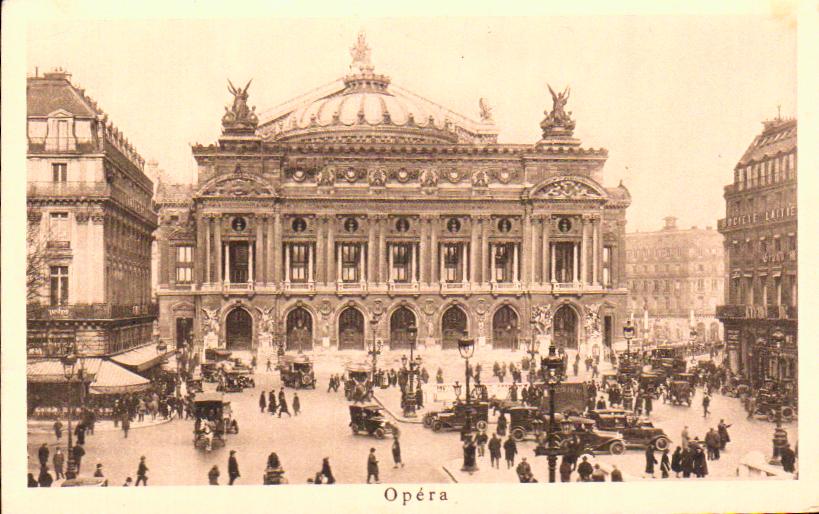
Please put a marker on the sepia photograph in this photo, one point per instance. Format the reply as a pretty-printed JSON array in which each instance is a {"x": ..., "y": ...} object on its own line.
[{"x": 411, "y": 250}]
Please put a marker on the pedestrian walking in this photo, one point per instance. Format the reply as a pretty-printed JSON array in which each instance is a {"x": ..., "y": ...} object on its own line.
[
  {"x": 676, "y": 462},
  {"x": 585, "y": 470},
  {"x": 616, "y": 474},
  {"x": 722, "y": 430},
  {"x": 283, "y": 405},
  {"x": 650, "y": 460},
  {"x": 706, "y": 401},
  {"x": 502, "y": 424},
  {"x": 372, "y": 467},
  {"x": 79, "y": 432},
  {"x": 272, "y": 407},
  {"x": 269, "y": 367},
  {"x": 396, "y": 454},
  {"x": 510, "y": 449},
  {"x": 79, "y": 453},
  {"x": 598, "y": 475},
  {"x": 495, "y": 451},
  {"x": 296, "y": 404},
  {"x": 262, "y": 402},
  {"x": 126, "y": 425},
  {"x": 142, "y": 473},
  {"x": 213, "y": 475},
  {"x": 648, "y": 405},
  {"x": 327, "y": 472},
  {"x": 481, "y": 440},
  {"x": 566, "y": 467},
  {"x": 665, "y": 464},
  {"x": 712, "y": 443},
  {"x": 233, "y": 467},
  {"x": 42, "y": 454},
  {"x": 45, "y": 479},
  {"x": 58, "y": 461},
  {"x": 684, "y": 438},
  {"x": 700, "y": 464},
  {"x": 687, "y": 462},
  {"x": 98, "y": 472},
  {"x": 58, "y": 430}
]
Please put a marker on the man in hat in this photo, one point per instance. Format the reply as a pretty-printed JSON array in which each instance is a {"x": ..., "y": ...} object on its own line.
[
  {"x": 142, "y": 473},
  {"x": 98, "y": 472},
  {"x": 372, "y": 467},
  {"x": 233, "y": 467}
]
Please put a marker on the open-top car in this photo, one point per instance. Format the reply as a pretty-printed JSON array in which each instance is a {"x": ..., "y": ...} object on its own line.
[
  {"x": 636, "y": 431},
  {"x": 369, "y": 419},
  {"x": 454, "y": 418},
  {"x": 297, "y": 371}
]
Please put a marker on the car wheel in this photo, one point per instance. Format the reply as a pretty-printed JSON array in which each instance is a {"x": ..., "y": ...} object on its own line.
[
  {"x": 518, "y": 434},
  {"x": 617, "y": 448},
  {"x": 661, "y": 443},
  {"x": 481, "y": 425},
  {"x": 379, "y": 433},
  {"x": 771, "y": 416},
  {"x": 437, "y": 426},
  {"x": 427, "y": 421}
]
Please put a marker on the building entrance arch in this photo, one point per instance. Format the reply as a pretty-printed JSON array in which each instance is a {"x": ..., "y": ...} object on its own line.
[
  {"x": 238, "y": 329},
  {"x": 565, "y": 328},
  {"x": 351, "y": 329},
  {"x": 453, "y": 327},
  {"x": 505, "y": 328},
  {"x": 299, "y": 330},
  {"x": 400, "y": 322}
]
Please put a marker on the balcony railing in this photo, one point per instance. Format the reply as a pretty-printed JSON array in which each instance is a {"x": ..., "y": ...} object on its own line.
[
  {"x": 736, "y": 311},
  {"x": 91, "y": 311},
  {"x": 454, "y": 287},
  {"x": 506, "y": 287},
  {"x": 238, "y": 287},
  {"x": 63, "y": 189},
  {"x": 403, "y": 287},
  {"x": 351, "y": 287},
  {"x": 300, "y": 287}
]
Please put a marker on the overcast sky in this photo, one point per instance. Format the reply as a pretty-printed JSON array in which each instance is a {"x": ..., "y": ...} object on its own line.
[{"x": 675, "y": 100}]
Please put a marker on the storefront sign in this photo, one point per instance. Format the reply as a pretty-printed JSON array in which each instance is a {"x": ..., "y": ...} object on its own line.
[
  {"x": 732, "y": 338},
  {"x": 775, "y": 214}
]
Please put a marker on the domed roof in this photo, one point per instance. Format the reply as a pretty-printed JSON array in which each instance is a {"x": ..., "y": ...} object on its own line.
[{"x": 364, "y": 106}]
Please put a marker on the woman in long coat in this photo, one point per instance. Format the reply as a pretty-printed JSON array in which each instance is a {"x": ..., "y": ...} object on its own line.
[
  {"x": 665, "y": 464},
  {"x": 262, "y": 401},
  {"x": 650, "y": 460},
  {"x": 676, "y": 462},
  {"x": 501, "y": 425},
  {"x": 272, "y": 406}
]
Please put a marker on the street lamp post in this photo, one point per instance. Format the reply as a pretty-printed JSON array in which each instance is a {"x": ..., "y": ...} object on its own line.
[
  {"x": 466, "y": 347},
  {"x": 628, "y": 333},
  {"x": 692, "y": 338},
  {"x": 532, "y": 350},
  {"x": 69, "y": 362},
  {"x": 552, "y": 364},
  {"x": 374, "y": 351},
  {"x": 780, "y": 437},
  {"x": 409, "y": 393}
]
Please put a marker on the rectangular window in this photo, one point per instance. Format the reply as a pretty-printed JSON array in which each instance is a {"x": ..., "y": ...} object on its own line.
[
  {"x": 401, "y": 262},
  {"x": 58, "y": 227},
  {"x": 184, "y": 264},
  {"x": 59, "y": 285},
  {"x": 350, "y": 258},
  {"x": 299, "y": 255},
  {"x": 453, "y": 270},
  {"x": 59, "y": 172},
  {"x": 504, "y": 262},
  {"x": 607, "y": 266}
]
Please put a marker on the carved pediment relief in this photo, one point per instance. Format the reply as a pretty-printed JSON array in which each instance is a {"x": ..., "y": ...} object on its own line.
[
  {"x": 237, "y": 185},
  {"x": 570, "y": 189},
  {"x": 181, "y": 234}
]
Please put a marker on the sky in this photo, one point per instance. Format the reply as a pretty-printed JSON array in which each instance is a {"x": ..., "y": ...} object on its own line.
[{"x": 676, "y": 100}]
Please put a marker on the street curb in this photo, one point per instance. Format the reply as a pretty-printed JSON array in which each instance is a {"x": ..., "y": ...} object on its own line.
[
  {"x": 400, "y": 420},
  {"x": 49, "y": 430}
]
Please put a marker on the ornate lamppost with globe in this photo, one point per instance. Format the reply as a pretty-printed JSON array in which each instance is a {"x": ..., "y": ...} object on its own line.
[
  {"x": 466, "y": 347},
  {"x": 374, "y": 351},
  {"x": 780, "y": 436},
  {"x": 409, "y": 403},
  {"x": 552, "y": 366}
]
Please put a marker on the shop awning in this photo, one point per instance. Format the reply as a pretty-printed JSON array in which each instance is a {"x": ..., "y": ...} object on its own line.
[
  {"x": 113, "y": 379},
  {"x": 169, "y": 364},
  {"x": 50, "y": 371},
  {"x": 142, "y": 358}
]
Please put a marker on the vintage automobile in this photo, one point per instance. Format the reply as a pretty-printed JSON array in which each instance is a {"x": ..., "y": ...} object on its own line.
[
  {"x": 581, "y": 430},
  {"x": 525, "y": 422},
  {"x": 768, "y": 404},
  {"x": 297, "y": 371},
  {"x": 650, "y": 383},
  {"x": 232, "y": 382},
  {"x": 215, "y": 411},
  {"x": 736, "y": 388},
  {"x": 356, "y": 386},
  {"x": 194, "y": 383},
  {"x": 636, "y": 431},
  {"x": 679, "y": 392},
  {"x": 454, "y": 418},
  {"x": 669, "y": 358},
  {"x": 369, "y": 419}
]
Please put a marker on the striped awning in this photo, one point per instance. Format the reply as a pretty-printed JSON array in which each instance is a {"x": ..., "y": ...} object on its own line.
[
  {"x": 141, "y": 358},
  {"x": 114, "y": 379},
  {"x": 50, "y": 371}
]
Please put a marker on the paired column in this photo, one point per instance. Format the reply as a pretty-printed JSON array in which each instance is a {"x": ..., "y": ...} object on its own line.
[
  {"x": 526, "y": 242},
  {"x": 414, "y": 277},
  {"x": 362, "y": 263},
  {"x": 464, "y": 267},
  {"x": 371, "y": 250},
  {"x": 486, "y": 267},
  {"x": 434, "y": 275},
  {"x": 260, "y": 254},
  {"x": 390, "y": 253},
  {"x": 220, "y": 277},
  {"x": 269, "y": 261},
  {"x": 208, "y": 249},
  {"x": 515, "y": 277},
  {"x": 584, "y": 250},
  {"x": 331, "y": 249},
  {"x": 596, "y": 251},
  {"x": 310, "y": 260},
  {"x": 536, "y": 257},
  {"x": 287, "y": 264},
  {"x": 473, "y": 251},
  {"x": 382, "y": 248},
  {"x": 226, "y": 271},
  {"x": 492, "y": 275},
  {"x": 575, "y": 267},
  {"x": 321, "y": 251},
  {"x": 422, "y": 250},
  {"x": 276, "y": 265},
  {"x": 546, "y": 258}
]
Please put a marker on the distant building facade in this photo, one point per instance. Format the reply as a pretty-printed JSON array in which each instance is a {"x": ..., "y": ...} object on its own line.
[
  {"x": 760, "y": 229},
  {"x": 677, "y": 276},
  {"x": 91, "y": 223},
  {"x": 367, "y": 212}
]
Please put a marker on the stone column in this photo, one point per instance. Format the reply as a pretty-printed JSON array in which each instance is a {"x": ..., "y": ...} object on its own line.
[
  {"x": 492, "y": 275},
  {"x": 390, "y": 259},
  {"x": 382, "y": 249},
  {"x": 584, "y": 250},
  {"x": 331, "y": 249},
  {"x": 227, "y": 263},
  {"x": 260, "y": 255},
  {"x": 372, "y": 253},
  {"x": 339, "y": 275},
  {"x": 321, "y": 250},
  {"x": 486, "y": 267},
  {"x": 269, "y": 261},
  {"x": 526, "y": 245},
  {"x": 310, "y": 259},
  {"x": 575, "y": 270},
  {"x": 250, "y": 262},
  {"x": 535, "y": 277},
  {"x": 546, "y": 275},
  {"x": 595, "y": 251},
  {"x": 218, "y": 249},
  {"x": 414, "y": 267},
  {"x": 553, "y": 255},
  {"x": 464, "y": 267},
  {"x": 277, "y": 249},
  {"x": 434, "y": 276},
  {"x": 422, "y": 251},
  {"x": 362, "y": 263},
  {"x": 208, "y": 249},
  {"x": 515, "y": 277},
  {"x": 287, "y": 263},
  {"x": 473, "y": 252}
]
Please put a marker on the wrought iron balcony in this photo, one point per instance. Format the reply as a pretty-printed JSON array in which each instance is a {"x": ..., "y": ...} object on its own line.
[
  {"x": 91, "y": 311},
  {"x": 770, "y": 312}
]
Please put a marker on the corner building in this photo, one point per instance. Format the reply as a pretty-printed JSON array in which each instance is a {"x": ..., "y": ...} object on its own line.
[
  {"x": 760, "y": 316},
  {"x": 361, "y": 210}
]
